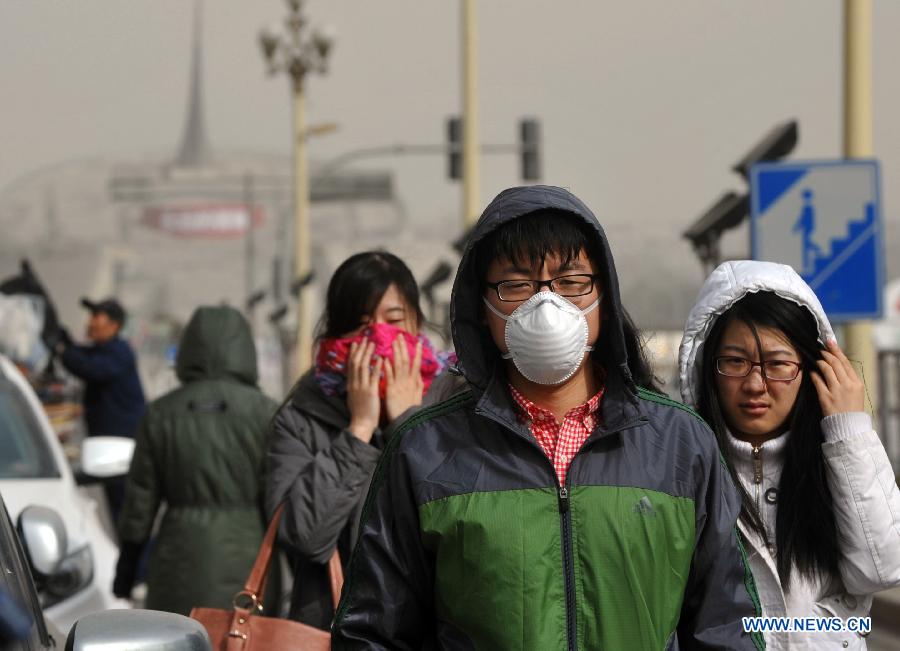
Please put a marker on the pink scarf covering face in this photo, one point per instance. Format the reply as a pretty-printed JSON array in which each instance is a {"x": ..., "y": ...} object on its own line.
[{"x": 332, "y": 356}]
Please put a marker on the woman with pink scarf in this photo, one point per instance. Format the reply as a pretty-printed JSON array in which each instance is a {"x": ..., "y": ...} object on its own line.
[{"x": 373, "y": 364}]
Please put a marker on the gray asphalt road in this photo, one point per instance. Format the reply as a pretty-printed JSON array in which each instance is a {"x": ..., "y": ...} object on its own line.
[
  {"x": 886, "y": 622},
  {"x": 883, "y": 640}
]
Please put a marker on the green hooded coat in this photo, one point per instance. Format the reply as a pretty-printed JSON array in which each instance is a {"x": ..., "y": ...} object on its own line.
[{"x": 200, "y": 449}]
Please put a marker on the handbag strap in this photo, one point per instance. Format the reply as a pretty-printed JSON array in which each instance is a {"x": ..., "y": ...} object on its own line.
[{"x": 255, "y": 584}]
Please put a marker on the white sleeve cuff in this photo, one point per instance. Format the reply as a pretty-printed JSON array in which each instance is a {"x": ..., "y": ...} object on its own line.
[{"x": 846, "y": 425}]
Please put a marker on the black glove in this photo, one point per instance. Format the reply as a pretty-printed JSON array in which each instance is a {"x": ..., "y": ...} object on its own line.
[
  {"x": 56, "y": 338},
  {"x": 126, "y": 569}
]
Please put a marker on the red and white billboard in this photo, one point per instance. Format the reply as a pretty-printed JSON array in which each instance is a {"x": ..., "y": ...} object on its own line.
[{"x": 219, "y": 220}]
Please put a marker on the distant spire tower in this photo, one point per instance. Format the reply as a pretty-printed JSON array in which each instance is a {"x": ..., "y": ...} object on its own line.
[{"x": 195, "y": 150}]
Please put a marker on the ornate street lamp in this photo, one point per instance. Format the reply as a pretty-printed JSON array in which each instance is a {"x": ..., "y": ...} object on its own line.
[{"x": 298, "y": 51}]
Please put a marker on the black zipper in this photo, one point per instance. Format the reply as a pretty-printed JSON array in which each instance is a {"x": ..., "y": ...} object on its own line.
[
  {"x": 565, "y": 517},
  {"x": 565, "y": 525},
  {"x": 565, "y": 520},
  {"x": 757, "y": 477}
]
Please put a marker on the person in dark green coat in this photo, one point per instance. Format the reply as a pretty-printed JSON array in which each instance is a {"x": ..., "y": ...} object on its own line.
[{"x": 200, "y": 449}]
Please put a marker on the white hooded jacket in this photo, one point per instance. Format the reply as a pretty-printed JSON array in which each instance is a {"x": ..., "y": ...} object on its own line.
[{"x": 862, "y": 482}]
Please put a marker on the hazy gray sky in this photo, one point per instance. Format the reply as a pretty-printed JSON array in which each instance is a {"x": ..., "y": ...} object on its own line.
[{"x": 645, "y": 104}]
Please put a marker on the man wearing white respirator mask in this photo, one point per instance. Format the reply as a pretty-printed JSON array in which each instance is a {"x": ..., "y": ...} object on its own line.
[{"x": 554, "y": 503}]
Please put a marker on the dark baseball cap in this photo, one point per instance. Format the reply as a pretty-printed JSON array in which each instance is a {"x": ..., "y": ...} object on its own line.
[{"x": 109, "y": 306}]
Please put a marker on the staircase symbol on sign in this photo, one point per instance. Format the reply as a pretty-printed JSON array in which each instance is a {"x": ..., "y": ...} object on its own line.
[{"x": 820, "y": 266}]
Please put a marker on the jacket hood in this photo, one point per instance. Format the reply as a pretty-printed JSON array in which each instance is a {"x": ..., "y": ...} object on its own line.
[
  {"x": 217, "y": 344},
  {"x": 728, "y": 284},
  {"x": 477, "y": 353}
]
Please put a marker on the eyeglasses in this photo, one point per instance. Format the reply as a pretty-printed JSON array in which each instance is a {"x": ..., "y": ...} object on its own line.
[
  {"x": 777, "y": 370},
  {"x": 511, "y": 291}
]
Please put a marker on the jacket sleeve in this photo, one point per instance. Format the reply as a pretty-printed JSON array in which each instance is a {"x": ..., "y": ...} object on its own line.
[
  {"x": 142, "y": 489},
  {"x": 720, "y": 589},
  {"x": 866, "y": 503},
  {"x": 320, "y": 487},
  {"x": 97, "y": 366},
  {"x": 387, "y": 602}
]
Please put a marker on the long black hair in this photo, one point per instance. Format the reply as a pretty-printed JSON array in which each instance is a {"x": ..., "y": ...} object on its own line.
[
  {"x": 805, "y": 528},
  {"x": 531, "y": 238},
  {"x": 358, "y": 285}
]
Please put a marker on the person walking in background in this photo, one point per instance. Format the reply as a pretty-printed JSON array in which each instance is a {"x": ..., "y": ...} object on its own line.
[
  {"x": 821, "y": 508},
  {"x": 113, "y": 397},
  {"x": 555, "y": 504},
  {"x": 200, "y": 451},
  {"x": 372, "y": 365}
]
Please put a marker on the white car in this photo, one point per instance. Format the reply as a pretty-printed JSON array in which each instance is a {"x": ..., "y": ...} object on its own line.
[
  {"x": 39, "y": 548},
  {"x": 34, "y": 471}
]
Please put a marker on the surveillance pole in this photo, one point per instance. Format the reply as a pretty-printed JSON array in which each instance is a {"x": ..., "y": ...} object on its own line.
[
  {"x": 470, "y": 156},
  {"x": 858, "y": 144}
]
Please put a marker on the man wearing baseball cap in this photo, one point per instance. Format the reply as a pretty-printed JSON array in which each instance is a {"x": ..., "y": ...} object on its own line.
[{"x": 113, "y": 397}]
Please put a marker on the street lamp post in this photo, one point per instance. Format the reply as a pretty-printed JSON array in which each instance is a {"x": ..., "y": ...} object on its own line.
[{"x": 297, "y": 53}]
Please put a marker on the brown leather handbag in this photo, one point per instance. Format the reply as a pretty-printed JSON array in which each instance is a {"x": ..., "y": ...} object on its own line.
[{"x": 245, "y": 629}]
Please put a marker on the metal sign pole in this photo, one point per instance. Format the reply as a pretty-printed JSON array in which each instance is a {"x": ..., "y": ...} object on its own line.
[{"x": 858, "y": 144}]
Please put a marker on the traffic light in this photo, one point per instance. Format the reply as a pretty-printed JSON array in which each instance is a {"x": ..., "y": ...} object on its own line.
[
  {"x": 530, "y": 148},
  {"x": 454, "y": 148}
]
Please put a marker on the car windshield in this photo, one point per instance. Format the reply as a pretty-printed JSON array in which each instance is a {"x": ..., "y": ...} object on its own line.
[{"x": 24, "y": 453}]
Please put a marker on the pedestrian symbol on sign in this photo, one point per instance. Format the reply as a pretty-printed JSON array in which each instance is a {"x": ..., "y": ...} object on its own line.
[{"x": 806, "y": 225}]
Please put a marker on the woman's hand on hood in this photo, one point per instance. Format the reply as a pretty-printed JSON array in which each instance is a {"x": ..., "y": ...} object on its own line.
[{"x": 839, "y": 387}]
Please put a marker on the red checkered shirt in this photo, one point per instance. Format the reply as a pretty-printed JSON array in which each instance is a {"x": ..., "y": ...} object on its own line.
[{"x": 559, "y": 441}]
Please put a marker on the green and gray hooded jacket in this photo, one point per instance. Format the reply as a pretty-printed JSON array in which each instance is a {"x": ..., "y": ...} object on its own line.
[
  {"x": 467, "y": 541},
  {"x": 200, "y": 449}
]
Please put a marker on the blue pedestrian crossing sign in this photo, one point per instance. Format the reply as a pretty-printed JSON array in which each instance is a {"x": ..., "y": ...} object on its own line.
[{"x": 823, "y": 219}]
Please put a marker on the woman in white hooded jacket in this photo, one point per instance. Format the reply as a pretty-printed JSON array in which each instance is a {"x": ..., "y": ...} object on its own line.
[{"x": 821, "y": 512}]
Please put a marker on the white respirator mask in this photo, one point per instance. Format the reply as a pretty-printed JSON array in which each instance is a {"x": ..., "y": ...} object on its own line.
[{"x": 546, "y": 336}]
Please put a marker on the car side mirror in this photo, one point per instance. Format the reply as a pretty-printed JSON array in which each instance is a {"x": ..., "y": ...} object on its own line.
[
  {"x": 44, "y": 538},
  {"x": 146, "y": 630},
  {"x": 57, "y": 571},
  {"x": 106, "y": 456}
]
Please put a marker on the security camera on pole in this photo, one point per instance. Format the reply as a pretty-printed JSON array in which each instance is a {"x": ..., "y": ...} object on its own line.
[
  {"x": 731, "y": 209},
  {"x": 296, "y": 53}
]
